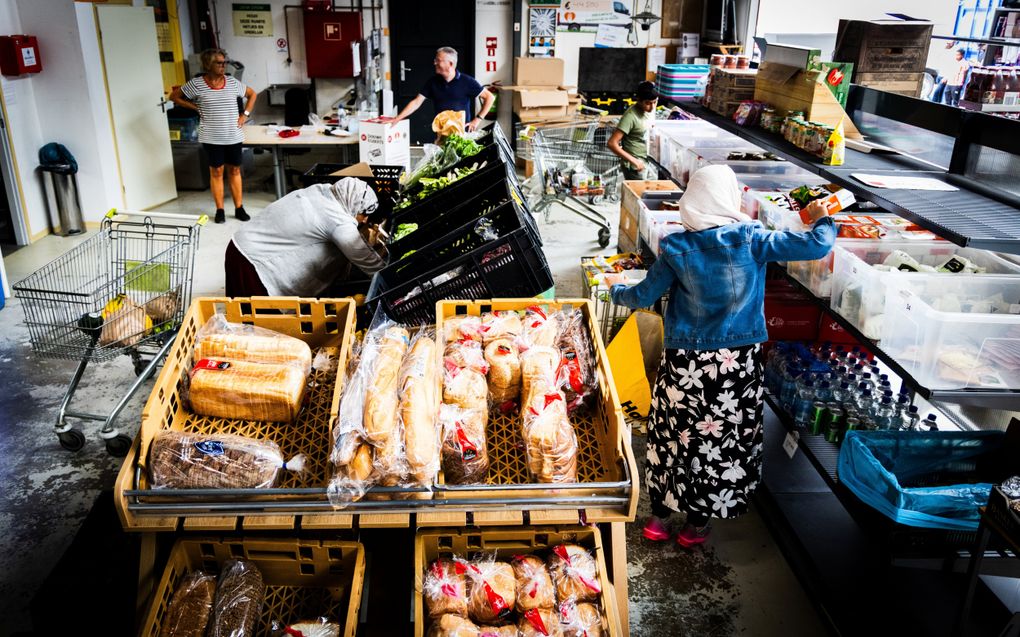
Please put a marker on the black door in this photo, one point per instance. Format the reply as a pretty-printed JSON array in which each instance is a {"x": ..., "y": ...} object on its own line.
[
  {"x": 7, "y": 236},
  {"x": 417, "y": 29}
]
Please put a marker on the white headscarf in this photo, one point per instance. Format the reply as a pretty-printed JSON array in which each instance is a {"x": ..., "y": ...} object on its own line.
[
  {"x": 356, "y": 196},
  {"x": 712, "y": 199}
]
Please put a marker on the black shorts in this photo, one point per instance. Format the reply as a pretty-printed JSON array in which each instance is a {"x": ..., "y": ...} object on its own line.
[{"x": 219, "y": 154}]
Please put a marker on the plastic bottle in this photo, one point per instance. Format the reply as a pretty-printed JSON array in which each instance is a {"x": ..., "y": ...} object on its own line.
[
  {"x": 863, "y": 402},
  {"x": 884, "y": 414},
  {"x": 824, "y": 391},
  {"x": 911, "y": 419},
  {"x": 788, "y": 390},
  {"x": 931, "y": 422},
  {"x": 841, "y": 393},
  {"x": 804, "y": 405}
]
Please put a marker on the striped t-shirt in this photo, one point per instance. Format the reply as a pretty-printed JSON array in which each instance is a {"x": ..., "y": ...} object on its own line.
[{"x": 217, "y": 108}]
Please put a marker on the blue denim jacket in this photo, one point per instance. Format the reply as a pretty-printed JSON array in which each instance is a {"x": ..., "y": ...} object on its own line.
[{"x": 716, "y": 281}]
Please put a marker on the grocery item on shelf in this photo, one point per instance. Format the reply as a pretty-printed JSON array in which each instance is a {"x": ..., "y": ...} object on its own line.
[
  {"x": 465, "y": 457},
  {"x": 382, "y": 393},
  {"x": 581, "y": 620},
  {"x": 444, "y": 588},
  {"x": 240, "y": 594},
  {"x": 540, "y": 328},
  {"x": 219, "y": 338},
  {"x": 453, "y": 626},
  {"x": 575, "y": 573},
  {"x": 540, "y": 622},
  {"x": 190, "y": 607},
  {"x": 183, "y": 460},
  {"x": 419, "y": 408},
  {"x": 501, "y": 324},
  {"x": 534, "y": 584},
  {"x": 504, "y": 361},
  {"x": 577, "y": 366},
  {"x": 492, "y": 589}
]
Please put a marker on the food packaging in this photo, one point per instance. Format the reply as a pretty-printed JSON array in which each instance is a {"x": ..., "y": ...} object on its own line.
[
  {"x": 581, "y": 620},
  {"x": 189, "y": 610},
  {"x": 539, "y": 328},
  {"x": 834, "y": 202},
  {"x": 575, "y": 574},
  {"x": 576, "y": 373},
  {"x": 465, "y": 457},
  {"x": 453, "y": 626},
  {"x": 445, "y": 588},
  {"x": 492, "y": 590},
  {"x": 382, "y": 392},
  {"x": 182, "y": 460},
  {"x": 534, "y": 584},
  {"x": 239, "y": 598},
  {"x": 501, "y": 324},
  {"x": 419, "y": 408},
  {"x": 550, "y": 442},
  {"x": 504, "y": 375},
  {"x": 539, "y": 622}
]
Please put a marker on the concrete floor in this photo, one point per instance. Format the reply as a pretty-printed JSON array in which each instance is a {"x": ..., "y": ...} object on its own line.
[{"x": 737, "y": 584}]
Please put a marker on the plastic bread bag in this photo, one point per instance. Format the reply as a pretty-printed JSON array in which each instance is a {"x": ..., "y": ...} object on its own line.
[
  {"x": 504, "y": 375},
  {"x": 124, "y": 322},
  {"x": 550, "y": 443},
  {"x": 539, "y": 622},
  {"x": 382, "y": 386},
  {"x": 501, "y": 324},
  {"x": 539, "y": 329},
  {"x": 243, "y": 390},
  {"x": 538, "y": 372},
  {"x": 352, "y": 481},
  {"x": 347, "y": 431},
  {"x": 575, "y": 574},
  {"x": 465, "y": 387},
  {"x": 465, "y": 326},
  {"x": 319, "y": 627},
  {"x": 576, "y": 374},
  {"x": 221, "y": 339},
  {"x": 492, "y": 589},
  {"x": 181, "y": 460},
  {"x": 444, "y": 588},
  {"x": 465, "y": 457},
  {"x": 581, "y": 620},
  {"x": 190, "y": 607},
  {"x": 507, "y": 630},
  {"x": 534, "y": 584},
  {"x": 465, "y": 353},
  {"x": 419, "y": 408},
  {"x": 453, "y": 626},
  {"x": 239, "y": 598}
]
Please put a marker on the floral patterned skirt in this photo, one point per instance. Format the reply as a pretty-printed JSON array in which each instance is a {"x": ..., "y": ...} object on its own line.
[{"x": 705, "y": 431}]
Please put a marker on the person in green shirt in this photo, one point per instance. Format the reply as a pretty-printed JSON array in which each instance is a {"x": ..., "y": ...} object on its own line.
[{"x": 630, "y": 139}]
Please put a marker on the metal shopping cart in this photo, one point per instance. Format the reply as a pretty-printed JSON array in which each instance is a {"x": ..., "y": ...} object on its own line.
[
  {"x": 123, "y": 291},
  {"x": 573, "y": 165}
]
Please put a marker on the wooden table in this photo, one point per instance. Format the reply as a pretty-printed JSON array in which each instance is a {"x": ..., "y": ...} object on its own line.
[{"x": 256, "y": 135}]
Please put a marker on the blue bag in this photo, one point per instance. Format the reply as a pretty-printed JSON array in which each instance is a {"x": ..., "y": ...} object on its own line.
[{"x": 875, "y": 464}]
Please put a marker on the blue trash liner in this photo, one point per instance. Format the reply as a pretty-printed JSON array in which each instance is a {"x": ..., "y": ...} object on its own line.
[{"x": 931, "y": 480}]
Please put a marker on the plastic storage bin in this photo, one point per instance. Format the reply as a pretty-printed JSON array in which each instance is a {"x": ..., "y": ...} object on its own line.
[
  {"x": 955, "y": 332},
  {"x": 651, "y": 211},
  {"x": 859, "y": 290}
]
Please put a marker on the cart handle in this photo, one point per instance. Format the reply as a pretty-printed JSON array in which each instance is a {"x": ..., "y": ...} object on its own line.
[{"x": 113, "y": 212}]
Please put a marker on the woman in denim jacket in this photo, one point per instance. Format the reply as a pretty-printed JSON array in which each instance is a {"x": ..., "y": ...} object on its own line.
[{"x": 705, "y": 431}]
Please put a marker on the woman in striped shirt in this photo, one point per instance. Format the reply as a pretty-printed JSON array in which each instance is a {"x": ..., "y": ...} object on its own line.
[{"x": 215, "y": 96}]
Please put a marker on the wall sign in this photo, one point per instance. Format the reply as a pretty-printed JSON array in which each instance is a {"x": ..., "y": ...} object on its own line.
[
  {"x": 253, "y": 20},
  {"x": 541, "y": 32},
  {"x": 587, "y": 15}
]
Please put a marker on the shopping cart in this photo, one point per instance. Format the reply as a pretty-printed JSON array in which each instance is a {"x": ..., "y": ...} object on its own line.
[
  {"x": 123, "y": 291},
  {"x": 585, "y": 124},
  {"x": 571, "y": 170}
]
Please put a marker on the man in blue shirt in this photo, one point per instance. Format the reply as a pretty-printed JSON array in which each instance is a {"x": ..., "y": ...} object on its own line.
[{"x": 451, "y": 90}]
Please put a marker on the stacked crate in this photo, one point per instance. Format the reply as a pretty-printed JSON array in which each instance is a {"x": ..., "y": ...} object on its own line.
[
  {"x": 888, "y": 55},
  {"x": 729, "y": 87}
]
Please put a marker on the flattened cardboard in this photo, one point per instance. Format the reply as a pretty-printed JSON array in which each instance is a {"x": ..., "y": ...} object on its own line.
[{"x": 538, "y": 71}]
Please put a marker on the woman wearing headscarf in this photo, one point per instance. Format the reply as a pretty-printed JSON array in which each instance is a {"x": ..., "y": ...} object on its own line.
[
  {"x": 705, "y": 427},
  {"x": 298, "y": 244}
]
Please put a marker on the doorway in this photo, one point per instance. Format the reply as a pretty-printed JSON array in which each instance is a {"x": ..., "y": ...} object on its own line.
[{"x": 418, "y": 29}]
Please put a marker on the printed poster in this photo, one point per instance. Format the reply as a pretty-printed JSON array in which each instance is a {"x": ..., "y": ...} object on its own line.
[
  {"x": 541, "y": 32},
  {"x": 253, "y": 20},
  {"x": 585, "y": 16}
]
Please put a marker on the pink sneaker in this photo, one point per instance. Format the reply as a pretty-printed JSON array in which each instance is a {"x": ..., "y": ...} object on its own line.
[
  {"x": 690, "y": 535},
  {"x": 655, "y": 530}
]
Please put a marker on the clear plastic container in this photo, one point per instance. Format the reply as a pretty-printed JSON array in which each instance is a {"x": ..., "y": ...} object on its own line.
[
  {"x": 955, "y": 332},
  {"x": 859, "y": 288},
  {"x": 659, "y": 231},
  {"x": 651, "y": 211},
  {"x": 650, "y": 219}
]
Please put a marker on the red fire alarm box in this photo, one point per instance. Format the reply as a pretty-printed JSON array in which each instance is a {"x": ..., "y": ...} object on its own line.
[
  {"x": 19, "y": 54},
  {"x": 329, "y": 36}
]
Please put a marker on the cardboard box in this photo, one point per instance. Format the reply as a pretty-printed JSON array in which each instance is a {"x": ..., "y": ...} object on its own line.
[
  {"x": 538, "y": 71},
  {"x": 380, "y": 143},
  {"x": 791, "y": 55},
  {"x": 787, "y": 88},
  {"x": 533, "y": 105}
]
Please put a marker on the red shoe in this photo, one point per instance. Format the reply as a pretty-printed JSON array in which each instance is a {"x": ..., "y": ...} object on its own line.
[
  {"x": 691, "y": 536},
  {"x": 655, "y": 530}
]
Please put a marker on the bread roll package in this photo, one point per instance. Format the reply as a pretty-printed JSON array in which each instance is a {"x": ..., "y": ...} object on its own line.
[
  {"x": 444, "y": 588},
  {"x": 540, "y": 328},
  {"x": 320, "y": 627},
  {"x": 182, "y": 460},
  {"x": 492, "y": 590},
  {"x": 581, "y": 620},
  {"x": 419, "y": 408},
  {"x": 465, "y": 388},
  {"x": 501, "y": 324},
  {"x": 538, "y": 372},
  {"x": 550, "y": 442},
  {"x": 382, "y": 391},
  {"x": 453, "y": 626},
  {"x": 504, "y": 372},
  {"x": 576, "y": 373},
  {"x": 465, "y": 354},
  {"x": 124, "y": 322},
  {"x": 539, "y": 622},
  {"x": 574, "y": 573},
  {"x": 465, "y": 457},
  {"x": 464, "y": 327},
  {"x": 219, "y": 338},
  {"x": 534, "y": 584},
  {"x": 506, "y": 630},
  {"x": 188, "y": 613},
  {"x": 239, "y": 598},
  {"x": 242, "y": 390}
]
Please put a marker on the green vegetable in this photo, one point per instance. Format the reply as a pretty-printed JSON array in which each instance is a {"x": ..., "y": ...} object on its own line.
[
  {"x": 432, "y": 185},
  {"x": 403, "y": 230},
  {"x": 463, "y": 146},
  {"x": 407, "y": 254}
]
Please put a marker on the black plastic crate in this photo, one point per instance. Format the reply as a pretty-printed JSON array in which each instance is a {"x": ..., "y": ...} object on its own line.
[
  {"x": 385, "y": 181},
  {"x": 509, "y": 267},
  {"x": 435, "y": 221},
  {"x": 492, "y": 152},
  {"x": 465, "y": 188},
  {"x": 431, "y": 253}
]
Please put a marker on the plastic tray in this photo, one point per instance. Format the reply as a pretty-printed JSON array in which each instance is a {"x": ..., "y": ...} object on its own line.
[
  {"x": 453, "y": 194},
  {"x": 430, "y": 545},
  {"x": 304, "y": 578},
  {"x": 947, "y": 349},
  {"x": 859, "y": 290}
]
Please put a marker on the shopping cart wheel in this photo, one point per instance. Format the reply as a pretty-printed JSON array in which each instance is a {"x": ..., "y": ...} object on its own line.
[
  {"x": 603, "y": 237},
  {"x": 72, "y": 439},
  {"x": 595, "y": 200},
  {"x": 118, "y": 446}
]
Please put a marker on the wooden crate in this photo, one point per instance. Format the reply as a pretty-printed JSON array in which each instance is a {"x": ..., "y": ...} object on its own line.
[
  {"x": 432, "y": 544},
  {"x": 304, "y": 578},
  {"x": 909, "y": 84},
  {"x": 878, "y": 46},
  {"x": 630, "y": 209},
  {"x": 605, "y": 459},
  {"x": 788, "y": 89},
  {"x": 327, "y": 325}
]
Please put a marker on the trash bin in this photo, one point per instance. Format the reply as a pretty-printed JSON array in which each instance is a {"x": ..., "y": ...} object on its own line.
[
  {"x": 59, "y": 168},
  {"x": 61, "y": 186}
]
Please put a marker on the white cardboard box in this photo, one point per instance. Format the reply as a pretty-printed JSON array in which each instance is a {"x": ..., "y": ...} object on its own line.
[{"x": 380, "y": 143}]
